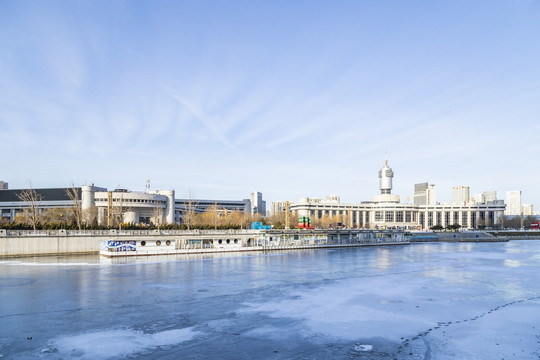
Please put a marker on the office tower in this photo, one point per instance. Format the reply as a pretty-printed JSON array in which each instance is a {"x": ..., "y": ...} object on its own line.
[
  {"x": 460, "y": 195},
  {"x": 489, "y": 196},
  {"x": 258, "y": 205},
  {"x": 513, "y": 202},
  {"x": 419, "y": 197}
]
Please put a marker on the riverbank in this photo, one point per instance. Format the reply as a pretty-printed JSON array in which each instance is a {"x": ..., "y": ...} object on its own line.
[
  {"x": 17, "y": 243},
  {"x": 456, "y": 236}
]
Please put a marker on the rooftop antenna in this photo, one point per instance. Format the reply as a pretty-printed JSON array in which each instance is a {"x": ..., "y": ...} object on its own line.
[
  {"x": 147, "y": 184},
  {"x": 385, "y": 158}
]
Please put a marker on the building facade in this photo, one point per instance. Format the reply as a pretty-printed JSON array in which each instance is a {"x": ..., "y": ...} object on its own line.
[
  {"x": 528, "y": 209},
  {"x": 386, "y": 211},
  {"x": 420, "y": 193},
  {"x": 489, "y": 196},
  {"x": 460, "y": 195},
  {"x": 11, "y": 204},
  {"x": 513, "y": 202},
  {"x": 157, "y": 206},
  {"x": 258, "y": 205}
]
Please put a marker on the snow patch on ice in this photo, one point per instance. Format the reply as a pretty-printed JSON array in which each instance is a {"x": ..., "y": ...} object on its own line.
[
  {"x": 10, "y": 262},
  {"x": 352, "y": 309},
  {"x": 269, "y": 332},
  {"x": 59, "y": 264},
  {"x": 363, "y": 347},
  {"x": 115, "y": 343}
]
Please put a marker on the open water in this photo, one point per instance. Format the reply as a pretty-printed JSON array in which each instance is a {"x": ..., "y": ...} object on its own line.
[{"x": 423, "y": 301}]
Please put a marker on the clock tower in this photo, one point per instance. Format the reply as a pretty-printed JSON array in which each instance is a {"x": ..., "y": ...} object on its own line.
[{"x": 385, "y": 178}]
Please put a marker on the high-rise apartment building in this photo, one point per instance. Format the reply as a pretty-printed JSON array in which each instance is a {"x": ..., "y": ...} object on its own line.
[
  {"x": 277, "y": 207},
  {"x": 3, "y": 185},
  {"x": 460, "y": 195},
  {"x": 513, "y": 202}
]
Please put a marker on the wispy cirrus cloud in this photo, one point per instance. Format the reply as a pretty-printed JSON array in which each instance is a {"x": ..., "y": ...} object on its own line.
[{"x": 209, "y": 122}]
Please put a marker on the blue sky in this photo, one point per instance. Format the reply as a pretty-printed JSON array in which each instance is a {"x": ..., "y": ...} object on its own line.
[{"x": 290, "y": 98}]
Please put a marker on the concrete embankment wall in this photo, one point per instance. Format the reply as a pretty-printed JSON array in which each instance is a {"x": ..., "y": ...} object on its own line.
[
  {"x": 29, "y": 245},
  {"x": 475, "y": 236},
  {"x": 48, "y": 245},
  {"x": 61, "y": 242},
  {"x": 521, "y": 235}
]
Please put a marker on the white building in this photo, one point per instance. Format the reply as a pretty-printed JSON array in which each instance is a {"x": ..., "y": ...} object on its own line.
[
  {"x": 460, "y": 195},
  {"x": 477, "y": 198},
  {"x": 513, "y": 203},
  {"x": 277, "y": 207},
  {"x": 158, "y": 206},
  {"x": 258, "y": 205},
  {"x": 431, "y": 195},
  {"x": 386, "y": 211},
  {"x": 489, "y": 195},
  {"x": 419, "y": 197},
  {"x": 425, "y": 194},
  {"x": 527, "y": 209}
]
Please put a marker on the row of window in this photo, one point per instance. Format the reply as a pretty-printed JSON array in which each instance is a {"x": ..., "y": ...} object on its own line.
[
  {"x": 135, "y": 200},
  {"x": 158, "y": 243},
  {"x": 395, "y": 216},
  {"x": 486, "y": 217}
]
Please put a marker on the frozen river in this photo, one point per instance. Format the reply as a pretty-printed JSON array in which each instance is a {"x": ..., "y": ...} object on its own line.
[{"x": 424, "y": 301}]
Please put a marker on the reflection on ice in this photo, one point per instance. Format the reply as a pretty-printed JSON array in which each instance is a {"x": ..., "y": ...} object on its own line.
[{"x": 512, "y": 263}]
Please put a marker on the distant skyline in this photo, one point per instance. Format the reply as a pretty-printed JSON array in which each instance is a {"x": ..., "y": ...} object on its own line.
[{"x": 290, "y": 98}]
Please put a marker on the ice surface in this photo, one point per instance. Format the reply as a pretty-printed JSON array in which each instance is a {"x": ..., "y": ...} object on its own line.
[
  {"x": 424, "y": 301},
  {"x": 115, "y": 343},
  {"x": 363, "y": 347}
]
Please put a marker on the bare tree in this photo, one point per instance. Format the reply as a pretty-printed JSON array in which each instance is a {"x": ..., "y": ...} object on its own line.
[
  {"x": 528, "y": 220},
  {"x": 90, "y": 215},
  {"x": 325, "y": 221},
  {"x": 278, "y": 220},
  {"x": 120, "y": 210},
  {"x": 31, "y": 211},
  {"x": 234, "y": 218},
  {"x": 56, "y": 215},
  {"x": 77, "y": 212},
  {"x": 189, "y": 211},
  {"x": 211, "y": 217},
  {"x": 158, "y": 217}
]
